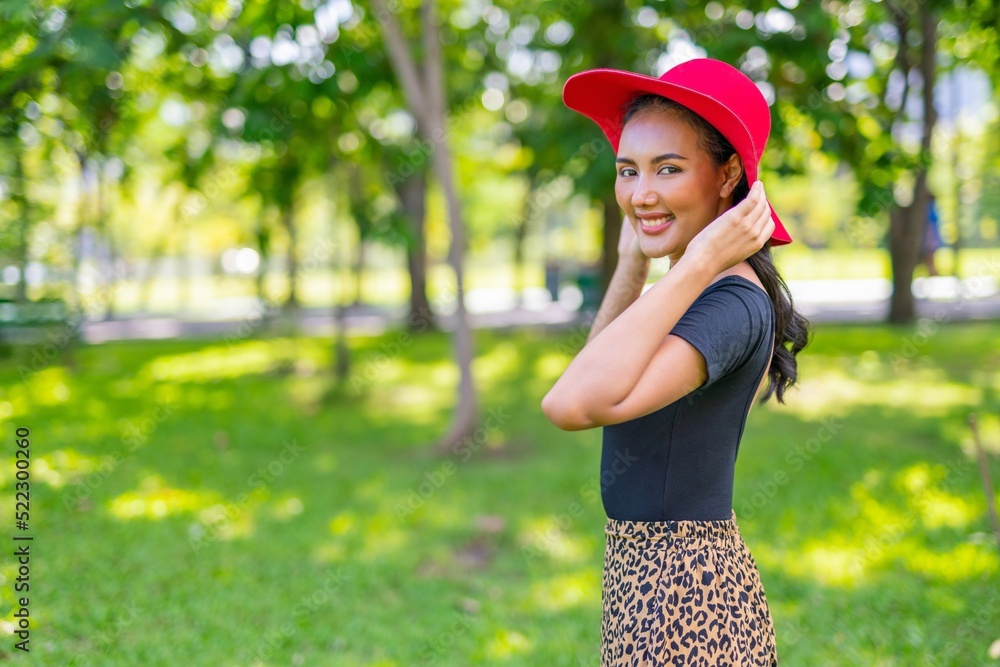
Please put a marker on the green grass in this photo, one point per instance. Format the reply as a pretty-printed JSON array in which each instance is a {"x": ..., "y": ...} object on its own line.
[{"x": 251, "y": 521}]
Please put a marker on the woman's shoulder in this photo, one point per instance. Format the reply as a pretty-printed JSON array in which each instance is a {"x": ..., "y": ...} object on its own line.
[
  {"x": 729, "y": 323},
  {"x": 739, "y": 294},
  {"x": 743, "y": 271}
]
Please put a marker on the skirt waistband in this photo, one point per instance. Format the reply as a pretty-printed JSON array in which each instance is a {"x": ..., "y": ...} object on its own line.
[{"x": 721, "y": 533}]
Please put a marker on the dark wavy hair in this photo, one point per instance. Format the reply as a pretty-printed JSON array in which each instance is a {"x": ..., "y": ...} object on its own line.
[{"x": 791, "y": 329}]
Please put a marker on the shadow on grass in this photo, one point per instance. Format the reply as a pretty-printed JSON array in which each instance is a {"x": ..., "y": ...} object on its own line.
[{"x": 255, "y": 522}]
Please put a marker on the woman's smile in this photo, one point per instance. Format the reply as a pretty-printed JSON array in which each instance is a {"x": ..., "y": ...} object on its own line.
[{"x": 654, "y": 225}]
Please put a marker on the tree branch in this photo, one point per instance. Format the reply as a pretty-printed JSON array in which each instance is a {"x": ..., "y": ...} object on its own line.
[
  {"x": 899, "y": 20},
  {"x": 928, "y": 46},
  {"x": 401, "y": 58},
  {"x": 433, "y": 62}
]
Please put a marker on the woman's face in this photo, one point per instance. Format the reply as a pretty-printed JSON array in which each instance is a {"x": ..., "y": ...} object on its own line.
[{"x": 667, "y": 185}]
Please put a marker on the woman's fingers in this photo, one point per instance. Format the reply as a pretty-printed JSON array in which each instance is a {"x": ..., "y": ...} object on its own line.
[
  {"x": 751, "y": 224},
  {"x": 749, "y": 216},
  {"x": 753, "y": 214},
  {"x": 760, "y": 207},
  {"x": 761, "y": 213},
  {"x": 763, "y": 208},
  {"x": 628, "y": 242},
  {"x": 750, "y": 202},
  {"x": 739, "y": 232},
  {"x": 766, "y": 228}
]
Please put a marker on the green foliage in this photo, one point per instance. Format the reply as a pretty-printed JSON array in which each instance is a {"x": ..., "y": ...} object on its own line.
[{"x": 190, "y": 116}]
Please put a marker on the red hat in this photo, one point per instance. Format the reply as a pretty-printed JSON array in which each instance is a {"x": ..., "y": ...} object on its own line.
[{"x": 716, "y": 91}]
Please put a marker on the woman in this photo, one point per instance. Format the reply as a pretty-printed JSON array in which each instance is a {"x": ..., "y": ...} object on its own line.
[
  {"x": 671, "y": 375},
  {"x": 932, "y": 241}
]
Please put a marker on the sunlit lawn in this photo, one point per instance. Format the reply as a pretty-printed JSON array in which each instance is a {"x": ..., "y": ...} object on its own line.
[{"x": 249, "y": 522}]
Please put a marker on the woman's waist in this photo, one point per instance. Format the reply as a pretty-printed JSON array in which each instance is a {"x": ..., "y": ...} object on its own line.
[{"x": 723, "y": 533}]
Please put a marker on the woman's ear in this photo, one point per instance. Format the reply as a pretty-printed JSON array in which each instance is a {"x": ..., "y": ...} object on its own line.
[{"x": 732, "y": 171}]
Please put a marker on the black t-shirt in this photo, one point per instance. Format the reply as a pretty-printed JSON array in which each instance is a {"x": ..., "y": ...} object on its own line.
[{"x": 678, "y": 462}]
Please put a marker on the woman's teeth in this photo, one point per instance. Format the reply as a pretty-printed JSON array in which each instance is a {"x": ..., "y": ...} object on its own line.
[{"x": 656, "y": 222}]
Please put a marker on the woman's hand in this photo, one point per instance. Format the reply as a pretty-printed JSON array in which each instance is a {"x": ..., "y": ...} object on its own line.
[
  {"x": 628, "y": 245},
  {"x": 736, "y": 234}
]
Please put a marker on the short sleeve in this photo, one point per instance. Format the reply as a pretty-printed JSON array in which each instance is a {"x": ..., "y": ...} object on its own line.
[{"x": 726, "y": 324}]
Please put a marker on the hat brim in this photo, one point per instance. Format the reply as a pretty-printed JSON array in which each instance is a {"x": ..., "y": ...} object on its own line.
[{"x": 600, "y": 95}]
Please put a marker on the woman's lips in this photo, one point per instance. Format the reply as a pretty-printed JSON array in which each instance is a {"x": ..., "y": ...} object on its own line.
[{"x": 655, "y": 225}]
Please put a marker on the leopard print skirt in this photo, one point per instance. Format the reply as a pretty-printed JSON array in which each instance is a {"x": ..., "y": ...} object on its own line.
[{"x": 682, "y": 593}]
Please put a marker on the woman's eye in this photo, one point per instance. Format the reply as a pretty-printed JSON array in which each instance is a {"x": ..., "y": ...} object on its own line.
[{"x": 665, "y": 169}]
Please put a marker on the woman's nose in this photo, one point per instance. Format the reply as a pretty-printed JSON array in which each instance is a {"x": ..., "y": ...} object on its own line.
[{"x": 643, "y": 196}]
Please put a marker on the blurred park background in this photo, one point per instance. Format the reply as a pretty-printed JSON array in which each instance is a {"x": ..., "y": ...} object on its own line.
[{"x": 282, "y": 285}]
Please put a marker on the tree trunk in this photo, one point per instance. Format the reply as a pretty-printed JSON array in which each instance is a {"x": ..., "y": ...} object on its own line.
[
  {"x": 341, "y": 351},
  {"x": 359, "y": 211},
  {"x": 466, "y": 416},
  {"x": 78, "y": 235},
  {"x": 183, "y": 264},
  {"x": 111, "y": 273},
  {"x": 956, "y": 152},
  {"x": 609, "y": 252},
  {"x": 187, "y": 264},
  {"x": 520, "y": 234},
  {"x": 263, "y": 235},
  {"x": 427, "y": 103},
  {"x": 907, "y": 224},
  {"x": 358, "y": 269},
  {"x": 957, "y": 208},
  {"x": 412, "y": 193},
  {"x": 603, "y": 31},
  {"x": 288, "y": 220},
  {"x": 106, "y": 264},
  {"x": 20, "y": 195}
]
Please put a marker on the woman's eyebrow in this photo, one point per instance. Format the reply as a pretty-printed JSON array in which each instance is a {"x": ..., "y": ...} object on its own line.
[{"x": 658, "y": 158}]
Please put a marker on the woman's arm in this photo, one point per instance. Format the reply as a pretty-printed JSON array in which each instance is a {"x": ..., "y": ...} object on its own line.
[
  {"x": 626, "y": 283},
  {"x": 633, "y": 366}
]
